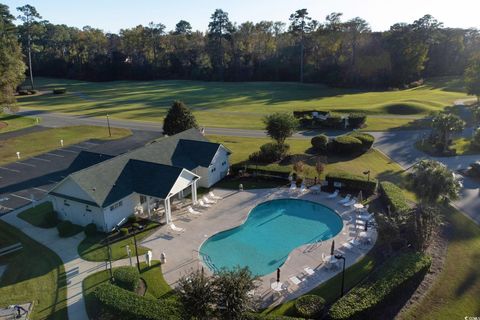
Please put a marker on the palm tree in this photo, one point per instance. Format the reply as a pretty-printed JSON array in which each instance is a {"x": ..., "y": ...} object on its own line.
[{"x": 445, "y": 124}]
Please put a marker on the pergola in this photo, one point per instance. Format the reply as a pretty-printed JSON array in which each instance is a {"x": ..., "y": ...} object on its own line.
[{"x": 186, "y": 179}]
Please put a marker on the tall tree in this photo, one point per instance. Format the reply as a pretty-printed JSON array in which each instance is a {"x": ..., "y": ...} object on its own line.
[
  {"x": 179, "y": 118},
  {"x": 197, "y": 296},
  {"x": 155, "y": 31},
  {"x": 472, "y": 79},
  {"x": 12, "y": 67},
  {"x": 219, "y": 29},
  {"x": 300, "y": 26},
  {"x": 29, "y": 16},
  {"x": 183, "y": 27},
  {"x": 280, "y": 126},
  {"x": 355, "y": 27},
  {"x": 446, "y": 124}
]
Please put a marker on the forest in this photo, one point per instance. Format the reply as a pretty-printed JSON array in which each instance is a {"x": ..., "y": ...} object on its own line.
[{"x": 331, "y": 51}]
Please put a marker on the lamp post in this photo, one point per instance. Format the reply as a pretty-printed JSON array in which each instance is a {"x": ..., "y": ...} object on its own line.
[
  {"x": 367, "y": 173},
  {"x": 109, "y": 254},
  {"x": 108, "y": 124},
  {"x": 135, "y": 242},
  {"x": 339, "y": 256}
]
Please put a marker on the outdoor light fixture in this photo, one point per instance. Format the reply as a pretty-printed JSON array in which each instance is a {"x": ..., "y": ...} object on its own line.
[{"x": 367, "y": 173}]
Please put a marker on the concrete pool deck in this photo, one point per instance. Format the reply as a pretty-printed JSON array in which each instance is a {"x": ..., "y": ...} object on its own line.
[{"x": 181, "y": 248}]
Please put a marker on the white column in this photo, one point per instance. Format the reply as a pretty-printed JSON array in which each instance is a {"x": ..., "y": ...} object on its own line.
[
  {"x": 168, "y": 211},
  {"x": 194, "y": 192},
  {"x": 148, "y": 206}
]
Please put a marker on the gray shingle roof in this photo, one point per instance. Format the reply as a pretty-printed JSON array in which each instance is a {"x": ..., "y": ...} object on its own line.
[{"x": 150, "y": 170}]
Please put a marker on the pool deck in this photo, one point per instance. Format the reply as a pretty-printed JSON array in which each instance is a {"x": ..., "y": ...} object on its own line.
[{"x": 181, "y": 248}]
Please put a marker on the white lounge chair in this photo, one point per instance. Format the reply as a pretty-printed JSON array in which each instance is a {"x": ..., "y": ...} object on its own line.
[
  {"x": 346, "y": 199},
  {"x": 365, "y": 217},
  {"x": 309, "y": 271},
  {"x": 193, "y": 211},
  {"x": 209, "y": 201},
  {"x": 175, "y": 228},
  {"x": 333, "y": 195},
  {"x": 350, "y": 203},
  {"x": 295, "y": 280},
  {"x": 303, "y": 188},
  {"x": 213, "y": 196},
  {"x": 293, "y": 186},
  {"x": 203, "y": 204}
]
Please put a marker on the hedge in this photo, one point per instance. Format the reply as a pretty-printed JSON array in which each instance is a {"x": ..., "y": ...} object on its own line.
[
  {"x": 258, "y": 316},
  {"x": 373, "y": 294},
  {"x": 65, "y": 229},
  {"x": 356, "y": 120},
  {"x": 310, "y": 306},
  {"x": 270, "y": 152},
  {"x": 352, "y": 182},
  {"x": 122, "y": 304},
  {"x": 393, "y": 197},
  {"x": 127, "y": 277},
  {"x": 261, "y": 172},
  {"x": 366, "y": 139},
  {"x": 320, "y": 142},
  {"x": 346, "y": 144},
  {"x": 90, "y": 229}
]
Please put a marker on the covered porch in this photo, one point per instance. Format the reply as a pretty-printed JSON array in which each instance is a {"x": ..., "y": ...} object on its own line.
[{"x": 157, "y": 206}]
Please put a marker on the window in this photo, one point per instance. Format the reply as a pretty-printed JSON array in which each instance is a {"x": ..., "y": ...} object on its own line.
[
  {"x": 224, "y": 163},
  {"x": 116, "y": 205},
  {"x": 65, "y": 203},
  {"x": 213, "y": 169},
  {"x": 87, "y": 208},
  {"x": 143, "y": 199}
]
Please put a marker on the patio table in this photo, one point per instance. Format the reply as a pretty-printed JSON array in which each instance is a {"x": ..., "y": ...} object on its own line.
[{"x": 277, "y": 286}]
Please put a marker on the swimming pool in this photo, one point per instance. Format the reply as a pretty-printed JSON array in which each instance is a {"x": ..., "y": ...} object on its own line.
[{"x": 273, "y": 229}]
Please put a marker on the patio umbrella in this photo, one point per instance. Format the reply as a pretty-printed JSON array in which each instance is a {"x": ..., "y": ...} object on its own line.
[
  {"x": 333, "y": 248},
  {"x": 360, "y": 197},
  {"x": 366, "y": 225},
  {"x": 278, "y": 274}
]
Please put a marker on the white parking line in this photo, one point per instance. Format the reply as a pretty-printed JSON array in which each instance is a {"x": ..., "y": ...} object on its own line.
[
  {"x": 52, "y": 181},
  {"x": 26, "y": 164},
  {"x": 92, "y": 143},
  {"x": 8, "y": 169},
  {"x": 54, "y": 154},
  {"x": 40, "y": 189},
  {"x": 40, "y": 159},
  {"x": 65, "y": 150},
  {"x": 16, "y": 195},
  {"x": 80, "y": 147},
  {"x": 5, "y": 208}
]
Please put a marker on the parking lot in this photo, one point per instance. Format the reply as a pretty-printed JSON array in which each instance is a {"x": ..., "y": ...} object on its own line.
[{"x": 28, "y": 180}]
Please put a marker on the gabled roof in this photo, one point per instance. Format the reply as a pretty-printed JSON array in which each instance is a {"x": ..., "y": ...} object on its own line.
[{"x": 151, "y": 170}]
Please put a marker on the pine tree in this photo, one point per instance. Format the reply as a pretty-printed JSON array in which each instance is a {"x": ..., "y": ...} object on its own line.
[{"x": 179, "y": 118}]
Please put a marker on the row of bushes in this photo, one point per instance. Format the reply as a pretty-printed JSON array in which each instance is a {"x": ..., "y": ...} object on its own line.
[
  {"x": 351, "y": 143},
  {"x": 373, "y": 294},
  {"x": 118, "y": 303},
  {"x": 310, "y": 306},
  {"x": 394, "y": 197},
  {"x": 334, "y": 120},
  {"x": 351, "y": 182}
]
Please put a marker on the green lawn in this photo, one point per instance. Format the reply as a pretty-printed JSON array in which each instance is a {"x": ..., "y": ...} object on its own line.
[
  {"x": 10, "y": 122},
  {"x": 461, "y": 145},
  {"x": 456, "y": 292},
  {"x": 240, "y": 104},
  {"x": 36, "y": 143},
  {"x": 34, "y": 274},
  {"x": 93, "y": 248},
  {"x": 38, "y": 215},
  {"x": 156, "y": 285}
]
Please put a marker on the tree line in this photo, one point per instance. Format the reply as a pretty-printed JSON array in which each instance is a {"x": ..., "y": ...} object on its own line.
[{"x": 332, "y": 51}]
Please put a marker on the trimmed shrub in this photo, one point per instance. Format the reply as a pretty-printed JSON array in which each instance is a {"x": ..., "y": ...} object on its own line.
[
  {"x": 124, "y": 232},
  {"x": 127, "y": 278},
  {"x": 51, "y": 218},
  {"x": 90, "y": 229},
  {"x": 32, "y": 91},
  {"x": 366, "y": 139},
  {"x": 346, "y": 144},
  {"x": 65, "y": 229},
  {"x": 334, "y": 120},
  {"x": 356, "y": 120},
  {"x": 59, "y": 90},
  {"x": 352, "y": 182},
  {"x": 319, "y": 143},
  {"x": 270, "y": 152},
  {"x": 133, "y": 219},
  {"x": 364, "y": 300},
  {"x": 310, "y": 306},
  {"x": 118, "y": 303},
  {"x": 259, "y": 316},
  {"x": 393, "y": 197}
]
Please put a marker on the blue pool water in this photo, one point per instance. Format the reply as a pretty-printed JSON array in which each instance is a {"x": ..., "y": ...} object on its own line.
[{"x": 273, "y": 229}]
